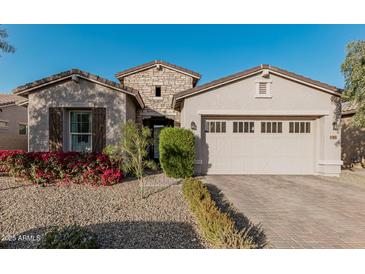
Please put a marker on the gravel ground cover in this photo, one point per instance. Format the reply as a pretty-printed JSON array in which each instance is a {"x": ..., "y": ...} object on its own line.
[{"x": 117, "y": 214}]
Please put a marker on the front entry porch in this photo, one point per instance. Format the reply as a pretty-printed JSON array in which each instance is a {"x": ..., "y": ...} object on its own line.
[{"x": 156, "y": 124}]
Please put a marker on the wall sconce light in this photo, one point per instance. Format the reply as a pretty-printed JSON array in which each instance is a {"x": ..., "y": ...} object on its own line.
[
  {"x": 193, "y": 126},
  {"x": 335, "y": 126}
]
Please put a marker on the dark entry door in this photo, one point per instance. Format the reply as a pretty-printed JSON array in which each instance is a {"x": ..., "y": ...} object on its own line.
[
  {"x": 156, "y": 124},
  {"x": 156, "y": 140}
]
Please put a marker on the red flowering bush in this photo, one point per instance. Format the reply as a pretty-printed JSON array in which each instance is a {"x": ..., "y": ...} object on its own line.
[{"x": 69, "y": 167}]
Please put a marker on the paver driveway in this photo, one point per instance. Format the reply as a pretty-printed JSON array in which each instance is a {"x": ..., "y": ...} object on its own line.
[{"x": 300, "y": 211}]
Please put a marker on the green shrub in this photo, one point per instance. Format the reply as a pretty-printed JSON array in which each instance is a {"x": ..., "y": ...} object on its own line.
[
  {"x": 218, "y": 228},
  {"x": 177, "y": 152},
  {"x": 71, "y": 237}
]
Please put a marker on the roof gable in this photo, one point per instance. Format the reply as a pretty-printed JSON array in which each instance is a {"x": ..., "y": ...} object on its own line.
[
  {"x": 253, "y": 71},
  {"x": 155, "y": 63},
  {"x": 10, "y": 99},
  {"x": 33, "y": 86}
]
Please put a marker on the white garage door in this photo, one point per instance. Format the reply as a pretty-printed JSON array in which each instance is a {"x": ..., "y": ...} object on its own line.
[{"x": 257, "y": 146}]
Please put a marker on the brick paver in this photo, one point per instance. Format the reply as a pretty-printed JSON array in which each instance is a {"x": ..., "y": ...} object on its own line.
[{"x": 300, "y": 211}]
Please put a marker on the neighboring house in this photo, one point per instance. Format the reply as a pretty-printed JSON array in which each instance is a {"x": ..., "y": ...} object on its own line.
[
  {"x": 353, "y": 138},
  {"x": 13, "y": 123},
  {"x": 261, "y": 121}
]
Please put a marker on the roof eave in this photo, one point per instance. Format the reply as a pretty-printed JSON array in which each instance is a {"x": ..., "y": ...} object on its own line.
[{"x": 128, "y": 72}]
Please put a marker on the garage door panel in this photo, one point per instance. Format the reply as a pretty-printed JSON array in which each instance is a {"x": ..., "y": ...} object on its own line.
[{"x": 260, "y": 153}]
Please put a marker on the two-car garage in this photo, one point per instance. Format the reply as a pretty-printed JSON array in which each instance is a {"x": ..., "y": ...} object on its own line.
[
  {"x": 259, "y": 146},
  {"x": 264, "y": 120}
]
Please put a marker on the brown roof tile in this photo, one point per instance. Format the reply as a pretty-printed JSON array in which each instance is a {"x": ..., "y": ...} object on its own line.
[
  {"x": 349, "y": 108},
  {"x": 156, "y": 62},
  {"x": 9, "y": 99}
]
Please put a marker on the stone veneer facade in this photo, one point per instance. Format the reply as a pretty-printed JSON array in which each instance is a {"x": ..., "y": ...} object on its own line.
[{"x": 169, "y": 80}]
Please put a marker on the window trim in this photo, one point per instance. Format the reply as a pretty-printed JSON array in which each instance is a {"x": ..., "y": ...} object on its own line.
[
  {"x": 26, "y": 128},
  {"x": 78, "y": 133},
  {"x": 7, "y": 124},
  {"x": 268, "y": 83}
]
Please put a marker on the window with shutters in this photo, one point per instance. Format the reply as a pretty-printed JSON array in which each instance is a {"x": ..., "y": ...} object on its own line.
[
  {"x": 215, "y": 126},
  {"x": 80, "y": 131},
  {"x": 263, "y": 88},
  {"x": 300, "y": 127},
  {"x": 243, "y": 127}
]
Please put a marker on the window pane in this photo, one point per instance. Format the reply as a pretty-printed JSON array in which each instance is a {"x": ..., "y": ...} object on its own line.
[
  {"x": 274, "y": 127},
  {"x": 212, "y": 127},
  {"x": 262, "y": 127},
  {"x": 280, "y": 127},
  {"x": 81, "y": 143},
  {"x": 246, "y": 127},
  {"x": 223, "y": 126},
  {"x": 240, "y": 126},
  {"x": 296, "y": 127},
  {"x": 302, "y": 127},
  {"x": 252, "y": 127},
  {"x": 268, "y": 127},
  {"x": 291, "y": 127},
  {"x": 218, "y": 127},
  {"x": 307, "y": 127},
  {"x": 234, "y": 127},
  {"x": 85, "y": 117}
]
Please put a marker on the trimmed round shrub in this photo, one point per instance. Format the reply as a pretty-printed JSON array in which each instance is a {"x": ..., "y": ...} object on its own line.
[
  {"x": 177, "y": 152},
  {"x": 71, "y": 237}
]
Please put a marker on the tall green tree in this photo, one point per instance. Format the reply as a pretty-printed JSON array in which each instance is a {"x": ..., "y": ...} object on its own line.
[
  {"x": 4, "y": 45},
  {"x": 353, "y": 69}
]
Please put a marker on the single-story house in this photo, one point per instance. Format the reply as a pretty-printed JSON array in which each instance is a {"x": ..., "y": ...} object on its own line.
[
  {"x": 353, "y": 138},
  {"x": 13, "y": 122},
  {"x": 264, "y": 120}
]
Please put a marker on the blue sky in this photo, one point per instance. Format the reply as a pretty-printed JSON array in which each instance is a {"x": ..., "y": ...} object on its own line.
[{"x": 316, "y": 51}]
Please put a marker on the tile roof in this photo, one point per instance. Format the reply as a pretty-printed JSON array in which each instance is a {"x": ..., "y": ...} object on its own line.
[
  {"x": 9, "y": 99},
  {"x": 349, "y": 108},
  {"x": 47, "y": 80},
  {"x": 248, "y": 72},
  {"x": 153, "y": 63}
]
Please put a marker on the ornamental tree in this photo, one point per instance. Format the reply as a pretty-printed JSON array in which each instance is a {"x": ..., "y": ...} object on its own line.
[
  {"x": 133, "y": 150},
  {"x": 353, "y": 69}
]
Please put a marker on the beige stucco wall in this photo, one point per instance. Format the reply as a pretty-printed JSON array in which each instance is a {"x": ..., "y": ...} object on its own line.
[
  {"x": 353, "y": 143},
  {"x": 76, "y": 95},
  {"x": 10, "y": 137},
  {"x": 131, "y": 108},
  {"x": 171, "y": 82},
  {"x": 288, "y": 99}
]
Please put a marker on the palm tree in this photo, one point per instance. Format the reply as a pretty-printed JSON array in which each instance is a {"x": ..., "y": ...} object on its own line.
[{"x": 5, "y": 46}]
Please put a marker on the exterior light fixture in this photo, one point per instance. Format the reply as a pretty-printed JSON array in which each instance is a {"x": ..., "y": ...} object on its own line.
[{"x": 193, "y": 126}]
